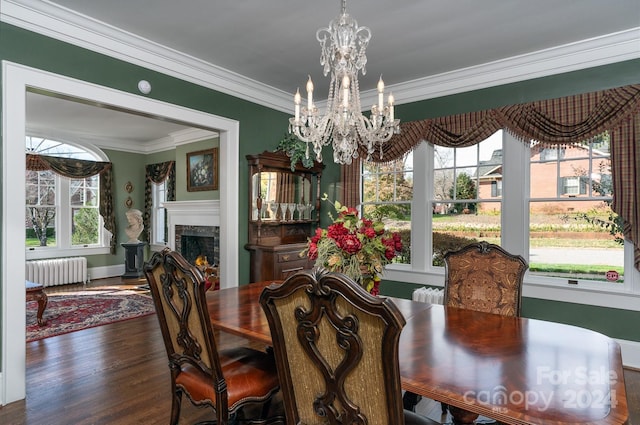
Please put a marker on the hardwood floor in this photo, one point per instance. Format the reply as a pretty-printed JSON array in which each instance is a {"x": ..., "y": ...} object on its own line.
[{"x": 117, "y": 374}]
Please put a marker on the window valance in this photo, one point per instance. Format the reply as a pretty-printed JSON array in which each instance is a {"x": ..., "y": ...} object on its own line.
[
  {"x": 556, "y": 121},
  {"x": 80, "y": 169},
  {"x": 564, "y": 120}
]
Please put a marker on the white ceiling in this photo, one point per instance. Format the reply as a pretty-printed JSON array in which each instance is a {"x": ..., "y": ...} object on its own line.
[{"x": 272, "y": 43}]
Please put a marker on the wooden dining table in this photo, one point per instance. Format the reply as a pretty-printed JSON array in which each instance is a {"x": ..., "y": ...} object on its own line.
[{"x": 514, "y": 370}]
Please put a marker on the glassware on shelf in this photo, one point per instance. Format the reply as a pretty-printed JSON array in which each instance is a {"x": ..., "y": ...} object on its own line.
[
  {"x": 301, "y": 210},
  {"x": 291, "y": 208},
  {"x": 311, "y": 208}
]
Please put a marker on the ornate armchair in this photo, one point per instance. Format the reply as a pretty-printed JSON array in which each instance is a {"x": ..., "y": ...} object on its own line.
[
  {"x": 484, "y": 277},
  {"x": 336, "y": 349},
  {"x": 225, "y": 380}
]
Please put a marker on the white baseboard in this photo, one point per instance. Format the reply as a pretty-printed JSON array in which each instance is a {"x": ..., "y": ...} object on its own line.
[{"x": 630, "y": 353}]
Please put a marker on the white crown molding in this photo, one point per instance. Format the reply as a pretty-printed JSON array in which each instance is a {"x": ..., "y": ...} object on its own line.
[
  {"x": 66, "y": 25},
  {"x": 46, "y": 18},
  {"x": 191, "y": 135},
  {"x": 169, "y": 142},
  {"x": 604, "y": 50}
]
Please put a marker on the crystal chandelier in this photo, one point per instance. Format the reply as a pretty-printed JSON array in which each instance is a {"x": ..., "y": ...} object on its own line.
[{"x": 343, "y": 46}]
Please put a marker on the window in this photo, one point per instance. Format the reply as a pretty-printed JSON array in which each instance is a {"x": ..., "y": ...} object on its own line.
[
  {"x": 159, "y": 223},
  {"x": 496, "y": 188},
  {"x": 62, "y": 215},
  {"x": 551, "y": 208},
  {"x": 387, "y": 191},
  {"x": 574, "y": 185},
  {"x": 84, "y": 196},
  {"x": 570, "y": 231},
  {"x": 41, "y": 208},
  {"x": 467, "y": 187}
]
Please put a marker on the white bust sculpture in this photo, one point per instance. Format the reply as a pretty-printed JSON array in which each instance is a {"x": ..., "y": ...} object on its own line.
[{"x": 135, "y": 227}]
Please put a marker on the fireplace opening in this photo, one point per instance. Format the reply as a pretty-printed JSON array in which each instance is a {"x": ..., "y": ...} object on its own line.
[
  {"x": 192, "y": 247},
  {"x": 199, "y": 241}
]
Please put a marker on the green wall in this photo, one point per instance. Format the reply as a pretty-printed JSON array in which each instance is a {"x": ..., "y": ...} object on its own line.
[{"x": 261, "y": 128}]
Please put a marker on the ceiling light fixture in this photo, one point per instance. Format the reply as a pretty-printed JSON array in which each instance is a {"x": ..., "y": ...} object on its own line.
[{"x": 343, "y": 46}]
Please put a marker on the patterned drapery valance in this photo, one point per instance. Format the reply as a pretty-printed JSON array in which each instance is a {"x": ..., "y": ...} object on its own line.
[
  {"x": 80, "y": 169},
  {"x": 551, "y": 122},
  {"x": 157, "y": 173},
  {"x": 556, "y": 121}
]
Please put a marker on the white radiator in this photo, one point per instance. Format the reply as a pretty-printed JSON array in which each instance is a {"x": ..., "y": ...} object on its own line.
[
  {"x": 428, "y": 295},
  {"x": 57, "y": 271}
]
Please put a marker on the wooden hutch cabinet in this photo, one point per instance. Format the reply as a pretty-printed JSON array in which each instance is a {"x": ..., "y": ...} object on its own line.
[{"x": 284, "y": 211}]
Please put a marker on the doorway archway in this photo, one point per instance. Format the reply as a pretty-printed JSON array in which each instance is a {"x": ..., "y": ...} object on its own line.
[{"x": 17, "y": 79}]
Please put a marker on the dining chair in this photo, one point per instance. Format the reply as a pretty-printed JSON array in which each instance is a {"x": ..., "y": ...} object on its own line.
[
  {"x": 336, "y": 348},
  {"x": 226, "y": 380},
  {"x": 484, "y": 277}
]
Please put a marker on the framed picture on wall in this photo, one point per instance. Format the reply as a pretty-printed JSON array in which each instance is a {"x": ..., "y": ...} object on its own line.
[{"x": 202, "y": 170}]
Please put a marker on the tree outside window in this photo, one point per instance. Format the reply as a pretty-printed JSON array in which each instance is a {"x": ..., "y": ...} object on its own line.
[{"x": 387, "y": 192}]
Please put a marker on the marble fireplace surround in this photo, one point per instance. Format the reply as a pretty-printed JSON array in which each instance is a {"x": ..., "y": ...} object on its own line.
[{"x": 198, "y": 213}]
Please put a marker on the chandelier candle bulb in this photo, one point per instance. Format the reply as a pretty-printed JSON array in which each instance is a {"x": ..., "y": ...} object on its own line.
[
  {"x": 309, "y": 94},
  {"x": 391, "y": 100},
  {"x": 296, "y": 101},
  {"x": 380, "y": 95}
]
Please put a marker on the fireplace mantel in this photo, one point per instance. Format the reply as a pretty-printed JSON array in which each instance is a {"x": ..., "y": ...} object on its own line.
[{"x": 192, "y": 213}]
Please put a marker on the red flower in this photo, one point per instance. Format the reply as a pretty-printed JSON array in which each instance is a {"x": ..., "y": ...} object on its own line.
[
  {"x": 312, "y": 253},
  {"x": 397, "y": 240},
  {"x": 368, "y": 232},
  {"x": 317, "y": 236},
  {"x": 389, "y": 253},
  {"x": 349, "y": 243},
  {"x": 336, "y": 230}
]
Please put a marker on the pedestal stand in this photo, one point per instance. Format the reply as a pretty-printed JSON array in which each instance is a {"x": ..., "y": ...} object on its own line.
[{"x": 133, "y": 260}]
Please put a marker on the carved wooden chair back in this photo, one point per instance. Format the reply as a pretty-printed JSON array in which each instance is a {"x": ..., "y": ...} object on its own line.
[
  {"x": 484, "y": 277},
  {"x": 336, "y": 349},
  {"x": 224, "y": 380}
]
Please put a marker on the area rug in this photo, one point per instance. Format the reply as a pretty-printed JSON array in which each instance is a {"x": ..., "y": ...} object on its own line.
[{"x": 71, "y": 312}]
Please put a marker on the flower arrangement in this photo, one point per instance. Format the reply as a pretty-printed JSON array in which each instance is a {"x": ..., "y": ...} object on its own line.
[{"x": 357, "y": 247}]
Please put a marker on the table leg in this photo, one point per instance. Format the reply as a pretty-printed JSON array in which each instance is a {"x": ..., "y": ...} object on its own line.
[
  {"x": 461, "y": 416},
  {"x": 42, "y": 304}
]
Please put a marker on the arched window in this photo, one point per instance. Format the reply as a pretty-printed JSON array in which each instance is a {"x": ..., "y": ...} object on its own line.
[{"x": 62, "y": 214}]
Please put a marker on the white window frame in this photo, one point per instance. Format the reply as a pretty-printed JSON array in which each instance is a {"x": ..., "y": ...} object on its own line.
[
  {"x": 515, "y": 237},
  {"x": 157, "y": 203},
  {"x": 64, "y": 247}
]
